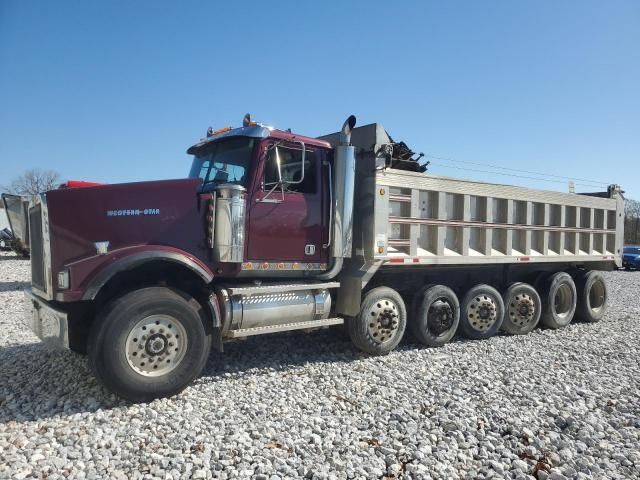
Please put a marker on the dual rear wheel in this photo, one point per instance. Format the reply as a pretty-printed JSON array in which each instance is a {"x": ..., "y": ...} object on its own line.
[
  {"x": 523, "y": 308},
  {"x": 437, "y": 314},
  {"x": 482, "y": 312},
  {"x": 583, "y": 296},
  {"x": 381, "y": 323}
]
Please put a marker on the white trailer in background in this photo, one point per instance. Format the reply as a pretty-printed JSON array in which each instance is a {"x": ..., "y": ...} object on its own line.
[{"x": 4, "y": 221}]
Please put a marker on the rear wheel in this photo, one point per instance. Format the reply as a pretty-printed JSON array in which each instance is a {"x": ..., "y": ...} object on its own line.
[
  {"x": 482, "y": 312},
  {"x": 436, "y": 315},
  {"x": 558, "y": 294},
  {"x": 592, "y": 296},
  {"x": 379, "y": 326},
  {"x": 522, "y": 309},
  {"x": 149, "y": 343}
]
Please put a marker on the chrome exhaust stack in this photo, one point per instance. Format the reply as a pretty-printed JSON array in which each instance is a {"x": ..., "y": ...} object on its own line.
[
  {"x": 344, "y": 173},
  {"x": 341, "y": 194}
]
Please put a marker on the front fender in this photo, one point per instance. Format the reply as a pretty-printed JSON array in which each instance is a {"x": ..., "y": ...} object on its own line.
[{"x": 89, "y": 275}]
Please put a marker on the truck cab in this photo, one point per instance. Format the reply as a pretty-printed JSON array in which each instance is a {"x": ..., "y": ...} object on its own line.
[{"x": 280, "y": 182}]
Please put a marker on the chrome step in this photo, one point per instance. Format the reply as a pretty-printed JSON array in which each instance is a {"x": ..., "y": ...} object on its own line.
[
  {"x": 247, "y": 290},
  {"x": 285, "y": 327}
]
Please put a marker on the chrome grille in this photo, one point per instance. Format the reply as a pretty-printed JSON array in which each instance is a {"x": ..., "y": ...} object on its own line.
[{"x": 36, "y": 240}]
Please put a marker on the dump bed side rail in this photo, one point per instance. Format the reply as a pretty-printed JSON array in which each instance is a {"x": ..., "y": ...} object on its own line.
[{"x": 425, "y": 219}]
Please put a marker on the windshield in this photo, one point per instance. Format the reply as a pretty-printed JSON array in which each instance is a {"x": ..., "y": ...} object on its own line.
[
  {"x": 225, "y": 161},
  {"x": 632, "y": 250}
]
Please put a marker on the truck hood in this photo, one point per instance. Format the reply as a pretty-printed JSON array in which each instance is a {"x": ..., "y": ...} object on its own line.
[{"x": 120, "y": 216}]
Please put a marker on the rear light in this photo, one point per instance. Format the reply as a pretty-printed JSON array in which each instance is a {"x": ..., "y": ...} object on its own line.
[{"x": 211, "y": 132}]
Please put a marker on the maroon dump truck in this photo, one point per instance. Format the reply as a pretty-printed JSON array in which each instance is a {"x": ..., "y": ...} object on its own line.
[{"x": 275, "y": 231}]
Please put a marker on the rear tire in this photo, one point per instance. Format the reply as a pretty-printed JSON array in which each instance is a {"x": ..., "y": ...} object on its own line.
[
  {"x": 381, "y": 323},
  {"x": 150, "y": 343},
  {"x": 592, "y": 296},
  {"x": 559, "y": 300},
  {"x": 523, "y": 308},
  {"x": 436, "y": 315},
  {"x": 481, "y": 312}
]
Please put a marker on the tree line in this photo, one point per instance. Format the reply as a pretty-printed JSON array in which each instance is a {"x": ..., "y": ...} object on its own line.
[{"x": 33, "y": 182}]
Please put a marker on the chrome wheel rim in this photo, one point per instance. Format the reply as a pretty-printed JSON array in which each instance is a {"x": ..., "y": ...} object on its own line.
[
  {"x": 156, "y": 345},
  {"x": 482, "y": 312},
  {"x": 522, "y": 310},
  {"x": 383, "y": 319}
]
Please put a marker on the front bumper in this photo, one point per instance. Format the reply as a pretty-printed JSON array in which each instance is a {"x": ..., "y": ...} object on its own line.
[{"x": 50, "y": 325}]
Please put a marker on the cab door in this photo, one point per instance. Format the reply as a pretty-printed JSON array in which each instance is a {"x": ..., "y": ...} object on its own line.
[{"x": 287, "y": 211}]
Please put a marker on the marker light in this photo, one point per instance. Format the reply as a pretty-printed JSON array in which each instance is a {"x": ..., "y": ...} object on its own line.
[
  {"x": 63, "y": 279},
  {"x": 102, "y": 247}
]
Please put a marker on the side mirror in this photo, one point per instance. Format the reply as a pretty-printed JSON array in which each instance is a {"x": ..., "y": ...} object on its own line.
[{"x": 281, "y": 182}]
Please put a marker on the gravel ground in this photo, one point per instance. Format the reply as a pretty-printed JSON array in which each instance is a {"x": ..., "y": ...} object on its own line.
[{"x": 553, "y": 404}]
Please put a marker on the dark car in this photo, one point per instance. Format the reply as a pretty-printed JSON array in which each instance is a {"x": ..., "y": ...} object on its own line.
[{"x": 631, "y": 257}]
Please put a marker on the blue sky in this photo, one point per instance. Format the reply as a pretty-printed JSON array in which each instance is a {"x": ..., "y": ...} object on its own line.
[{"x": 116, "y": 91}]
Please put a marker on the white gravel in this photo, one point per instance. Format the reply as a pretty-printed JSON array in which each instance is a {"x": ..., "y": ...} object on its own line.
[{"x": 564, "y": 404}]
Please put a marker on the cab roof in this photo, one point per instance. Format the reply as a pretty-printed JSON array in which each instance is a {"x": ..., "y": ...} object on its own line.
[{"x": 256, "y": 131}]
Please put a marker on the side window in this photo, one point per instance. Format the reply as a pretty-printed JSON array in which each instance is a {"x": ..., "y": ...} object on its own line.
[{"x": 290, "y": 169}]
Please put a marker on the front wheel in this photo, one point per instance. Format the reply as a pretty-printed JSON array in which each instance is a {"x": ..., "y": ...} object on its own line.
[{"x": 150, "y": 343}]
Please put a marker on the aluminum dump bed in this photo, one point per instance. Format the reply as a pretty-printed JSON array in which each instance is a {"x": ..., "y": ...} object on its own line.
[
  {"x": 420, "y": 218},
  {"x": 427, "y": 219}
]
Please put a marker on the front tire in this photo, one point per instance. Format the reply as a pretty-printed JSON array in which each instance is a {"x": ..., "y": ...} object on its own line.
[
  {"x": 150, "y": 343},
  {"x": 381, "y": 323}
]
